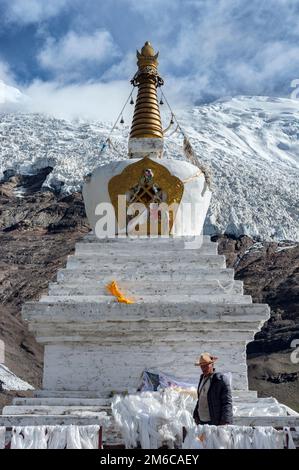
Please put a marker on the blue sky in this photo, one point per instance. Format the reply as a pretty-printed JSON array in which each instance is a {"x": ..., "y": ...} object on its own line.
[{"x": 56, "y": 51}]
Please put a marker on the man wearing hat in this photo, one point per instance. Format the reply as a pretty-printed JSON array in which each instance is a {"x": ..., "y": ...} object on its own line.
[{"x": 214, "y": 404}]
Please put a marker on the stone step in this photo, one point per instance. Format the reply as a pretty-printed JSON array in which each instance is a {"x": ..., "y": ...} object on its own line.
[
  {"x": 100, "y": 402},
  {"x": 244, "y": 394},
  {"x": 151, "y": 299},
  {"x": 74, "y": 394},
  {"x": 69, "y": 394},
  {"x": 59, "y": 406},
  {"x": 145, "y": 250},
  {"x": 137, "y": 337},
  {"x": 144, "y": 287},
  {"x": 274, "y": 421},
  {"x": 144, "y": 255},
  {"x": 45, "y": 394},
  {"x": 59, "y": 401},
  {"x": 116, "y": 264},
  {"x": 52, "y": 410},
  {"x": 93, "y": 394},
  {"x": 167, "y": 310},
  {"x": 50, "y": 420},
  {"x": 254, "y": 400},
  {"x": 91, "y": 238},
  {"x": 146, "y": 273}
]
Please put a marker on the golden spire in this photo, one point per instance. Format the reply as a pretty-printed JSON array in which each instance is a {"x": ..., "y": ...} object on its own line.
[{"x": 147, "y": 120}]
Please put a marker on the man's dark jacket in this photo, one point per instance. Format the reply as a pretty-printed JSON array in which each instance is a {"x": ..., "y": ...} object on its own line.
[{"x": 219, "y": 400}]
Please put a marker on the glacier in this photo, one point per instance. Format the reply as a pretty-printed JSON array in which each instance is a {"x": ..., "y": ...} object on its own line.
[{"x": 250, "y": 144}]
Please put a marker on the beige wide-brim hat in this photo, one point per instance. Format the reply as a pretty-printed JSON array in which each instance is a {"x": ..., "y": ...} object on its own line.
[{"x": 205, "y": 359}]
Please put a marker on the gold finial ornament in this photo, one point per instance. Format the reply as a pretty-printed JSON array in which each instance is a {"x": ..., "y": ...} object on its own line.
[
  {"x": 147, "y": 56},
  {"x": 147, "y": 120}
]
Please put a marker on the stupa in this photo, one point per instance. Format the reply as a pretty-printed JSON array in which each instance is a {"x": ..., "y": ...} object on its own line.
[
  {"x": 147, "y": 214},
  {"x": 146, "y": 177}
]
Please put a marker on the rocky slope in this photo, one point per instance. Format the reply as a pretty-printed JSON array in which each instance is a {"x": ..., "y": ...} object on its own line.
[
  {"x": 270, "y": 272},
  {"x": 39, "y": 230}
]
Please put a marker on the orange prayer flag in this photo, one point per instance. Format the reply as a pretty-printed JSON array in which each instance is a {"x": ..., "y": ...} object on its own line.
[{"x": 113, "y": 288}]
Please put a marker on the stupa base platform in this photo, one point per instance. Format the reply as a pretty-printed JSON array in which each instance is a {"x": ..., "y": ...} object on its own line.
[
  {"x": 185, "y": 302},
  {"x": 59, "y": 411}
]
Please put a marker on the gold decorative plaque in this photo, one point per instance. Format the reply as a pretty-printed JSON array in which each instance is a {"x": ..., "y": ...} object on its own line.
[{"x": 161, "y": 186}]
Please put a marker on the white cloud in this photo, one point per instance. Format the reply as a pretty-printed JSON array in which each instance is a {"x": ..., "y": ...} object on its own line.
[
  {"x": 231, "y": 49},
  {"x": 73, "y": 51},
  {"x": 32, "y": 11},
  {"x": 95, "y": 101},
  {"x": 208, "y": 49},
  {"x": 11, "y": 99},
  {"x": 90, "y": 101}
]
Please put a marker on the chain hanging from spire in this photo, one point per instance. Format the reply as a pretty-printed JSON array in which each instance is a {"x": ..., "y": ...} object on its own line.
[
  {"x": 188, "y": 149},
  {"x": 107, "y": 141}
]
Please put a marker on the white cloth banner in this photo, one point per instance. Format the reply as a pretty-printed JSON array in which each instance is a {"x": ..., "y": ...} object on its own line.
[
  {"x": 29, "y": 437},
  {"x": 55, "y": 437},
  {"x": 89, "y": 436},
  {"x": 82, "y": 437},
  {"x": 157, "y": 418},
  {"x": 235, "y": 437}
]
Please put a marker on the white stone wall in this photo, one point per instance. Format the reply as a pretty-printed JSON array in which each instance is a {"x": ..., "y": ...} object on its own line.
[{"x": 117, "y": 366}]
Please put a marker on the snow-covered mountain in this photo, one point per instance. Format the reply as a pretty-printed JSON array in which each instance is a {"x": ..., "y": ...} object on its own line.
[{"x": 251, "y": 145}]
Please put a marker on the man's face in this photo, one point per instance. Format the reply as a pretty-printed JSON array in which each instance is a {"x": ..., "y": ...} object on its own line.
[{"x": 207, "y": 369}]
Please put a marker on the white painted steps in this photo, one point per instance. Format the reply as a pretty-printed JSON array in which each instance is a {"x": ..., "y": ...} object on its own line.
[
  {"x": 182, "y": 261},
  {"x": 147, "y": 247},
  {"x": 93, "y": 394},
  {"x": 171, "y": 320},
  {"x": 106, "y": 402},
  {"x": 172, "y": 339},
  {"x": 278, "y": 422},
  {"x": 209, "y": 298},
  {"x": 141, "y": 267},
  {"x": 144, "y": 287},
  {"x": 187, "y": 302},
  {"x": 143, "y": 251},
  {"x": 58, "y": 401},
  {"x": 171, "y": 311},
  {"x": 63, "y": 410},
  {"x": 189, "y": 240},
  {"x": 68, "y": 406},
  {"x": 53, "y": 409},
  {"x": 52, "y": 420},
  {"x": 171, "y": 274}
]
